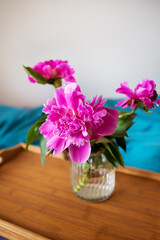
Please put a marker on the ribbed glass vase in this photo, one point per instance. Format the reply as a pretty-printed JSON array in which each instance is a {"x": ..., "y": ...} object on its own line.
[{"x": 93, "y": 181}]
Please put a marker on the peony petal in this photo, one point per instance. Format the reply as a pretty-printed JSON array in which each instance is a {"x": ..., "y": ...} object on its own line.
[
  {"x": 52, "y": 142},
  {"x": 60, "y": 146},
  {"x": 124, "y": 89},
  {"x": 70, "y": 79},
  {"x": 158, "y": 102},
  {"x": 142, "y": 92},
  {"x": 31, "y": 79},
  {"x": 132, "y": 104},
  {"x": 46, "y": 129},
  {"x": 148, "y": 102},
  {"x": 93, "y": 101},
  {"x": 123, "y": 103},
  {"x": 110, "y": 123},
  {"x": 47, "y": 70},
  {"x": 48, "y": 106},
  {"x": 80, "y": 154},
  {"x": 57, "y": 143},
  {"x": 147, "y": 84},
  {"x": 73, "y": 96},
  {"x": 60, "y": 97}
]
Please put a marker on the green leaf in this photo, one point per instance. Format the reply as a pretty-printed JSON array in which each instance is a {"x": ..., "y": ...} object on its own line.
[
  {"x": 35, "y": 75},
  {"x": 109, "y": 155},
  {"x": 125, "y": 121},
  {"x": 103, "y": 140},
  {"x": 116, "y": 153},
  {"x": 124, "y": 114},
  {"x": 43, "y": 148},
  {"x": 121, "y": 142},
  {"x": 33, "y": 132},
  {"x": 95, "y": 147}
]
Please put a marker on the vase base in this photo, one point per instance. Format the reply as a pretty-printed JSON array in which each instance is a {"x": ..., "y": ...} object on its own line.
[
  {"x": 95, "y": 193},
  {"x": 94, "y": 200}
]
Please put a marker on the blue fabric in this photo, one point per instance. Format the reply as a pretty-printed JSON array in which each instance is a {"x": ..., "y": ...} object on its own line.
[
  {"x": 2, "y": 238},
  {"x": 143, "y": 144},
  {"x": 15, "y": 123}
]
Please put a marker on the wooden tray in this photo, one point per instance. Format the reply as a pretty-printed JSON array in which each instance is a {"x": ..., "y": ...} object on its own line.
[{"x": 36, "y": 202}]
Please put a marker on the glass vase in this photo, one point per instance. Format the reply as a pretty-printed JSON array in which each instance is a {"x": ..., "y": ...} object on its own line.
[{"x": 94, "y": 180}]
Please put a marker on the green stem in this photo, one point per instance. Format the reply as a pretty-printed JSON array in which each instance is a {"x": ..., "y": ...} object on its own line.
[
  {"x": 81, "y": 183},
  {"x": 133, "y": 111},
  {"x": 138, "y": 105}
]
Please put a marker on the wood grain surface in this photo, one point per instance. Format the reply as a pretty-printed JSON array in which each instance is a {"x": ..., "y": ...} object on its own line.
[{"x": 37, "y": 200}]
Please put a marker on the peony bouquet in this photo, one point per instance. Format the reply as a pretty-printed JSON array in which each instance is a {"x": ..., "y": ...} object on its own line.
[{"x": 69, "y": 123}]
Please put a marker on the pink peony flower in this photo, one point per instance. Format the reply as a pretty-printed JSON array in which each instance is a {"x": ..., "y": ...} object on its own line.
[
  {"x": 54, "y": 69},
  {"x": 144, "y": 92},
  {"x": 71, "y": 122}
]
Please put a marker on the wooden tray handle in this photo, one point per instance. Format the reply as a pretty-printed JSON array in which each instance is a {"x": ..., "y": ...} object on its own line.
[{"x": 6, "y": 154}]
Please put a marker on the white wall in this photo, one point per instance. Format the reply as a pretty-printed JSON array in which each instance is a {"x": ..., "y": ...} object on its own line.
[{"x": 105, "y": 41}]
